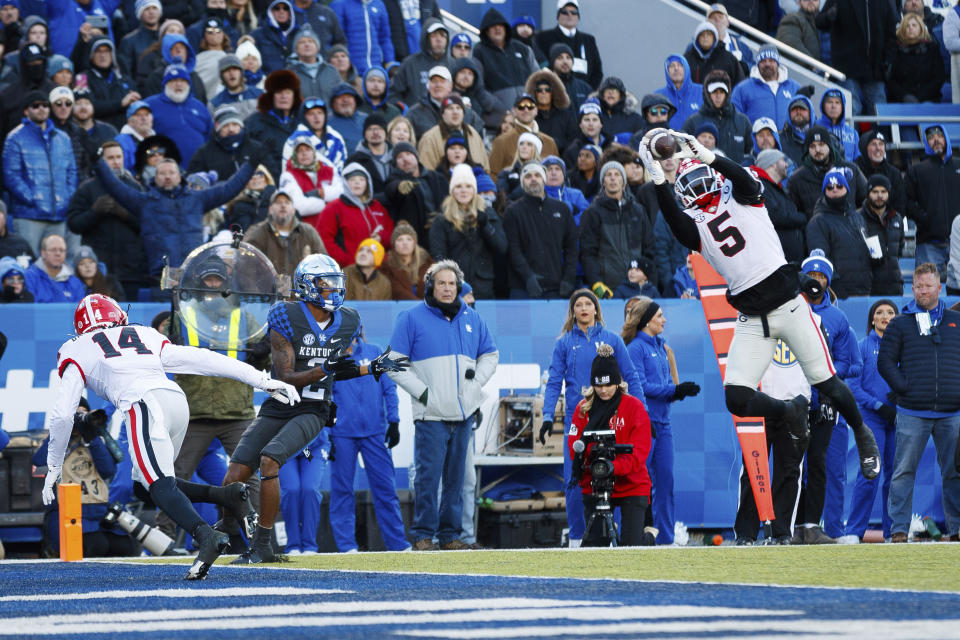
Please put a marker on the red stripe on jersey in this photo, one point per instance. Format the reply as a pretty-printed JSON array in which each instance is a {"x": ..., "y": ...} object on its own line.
[
  {"x": 69, "y": 361},
  {"x": 826, "y": 350},
  {"x": 134, "y": 427}
]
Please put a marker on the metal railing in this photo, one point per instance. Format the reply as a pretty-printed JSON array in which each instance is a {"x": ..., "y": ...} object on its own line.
[
  {"x": 463, "y": 25},
  {"x": 795, "y": 54},
  {"x": 895, "y": 122}
]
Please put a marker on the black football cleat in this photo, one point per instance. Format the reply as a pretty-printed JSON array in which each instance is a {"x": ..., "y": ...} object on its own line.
[
  {"x": 261, "y": 549},
  {"x": 868, "y": 452},
  {"x": 211, "y": 546},
  {"x": 236, "y": 498},
  {"x": 795, "y": 419}
]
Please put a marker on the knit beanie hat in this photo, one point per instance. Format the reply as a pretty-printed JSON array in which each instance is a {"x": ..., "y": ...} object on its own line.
[
  {"x": 376, "y": 248},
  {"x": 485, "y": 183},
  {"x": 879, "y": 180},
  {"x": 403, "y": 228},
  {"x": 462, "y": 174},
  {"x": 532, "y": 138},
  {"x": 604, "y": 369},
  {"x": 817, "y": 261},
  {"x": 834, "y": 177}
]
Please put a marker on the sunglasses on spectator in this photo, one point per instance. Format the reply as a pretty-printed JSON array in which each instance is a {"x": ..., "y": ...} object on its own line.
[
  {"x": 15, "y": 279},
  {"x": 282, "y": 7},
  {"x": 156, "y": 151},
  {"x": 40, "y": 105},
  {"x": 213, "y": 30},
  {"x": 544, "y": 90},
  {"x": 835, "y": 187},
  {"x": 659, "y": 111},
  {"x": 63, "y": 103},
  {"x": 313, "y": 103},
  {"x": 569, "y": 12},
  {"x": 526, "y": 107},
  {"x": 461, "y": 45}
]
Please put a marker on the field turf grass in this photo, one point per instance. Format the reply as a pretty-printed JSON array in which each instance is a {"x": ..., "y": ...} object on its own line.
[{"x": 925, "y": 566}]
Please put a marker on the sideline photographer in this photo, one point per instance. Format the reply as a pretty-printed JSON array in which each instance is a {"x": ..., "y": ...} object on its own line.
[{"x": 611, "y": 467}]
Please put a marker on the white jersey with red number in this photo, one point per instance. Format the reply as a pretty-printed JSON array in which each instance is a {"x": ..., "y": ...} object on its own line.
[
  {"x": 119, "y": 364},
  {"x": 739, "y": 241}
]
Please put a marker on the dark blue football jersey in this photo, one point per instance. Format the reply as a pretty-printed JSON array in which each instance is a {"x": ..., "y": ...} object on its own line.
[{"x": 312, "y": 346}]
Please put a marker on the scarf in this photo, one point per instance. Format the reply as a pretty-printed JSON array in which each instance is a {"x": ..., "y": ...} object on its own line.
[
  {"x": 448, "y": 309},
  {"x": 602, "y": 412}
]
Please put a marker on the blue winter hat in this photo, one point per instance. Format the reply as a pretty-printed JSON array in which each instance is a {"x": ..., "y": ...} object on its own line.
[
  {"x": 8, "y": 264},
  {"x": 484, "y": 182},
  {"x": 768, "y": 52},
  {"x": 465, "y": 288},
  {"x": 175, "y": 71},
  {"x": 817, "y": 261},
  {"x": 136, "y": 106},
  {"x": 58, "y": 63},
  {"x": 591, "y": 105},
  {"x": 13, "y": 3},
  {"x": 707, "y": 127},
  {"x": 202, "y": 179},
  {"x": 834, "y": 177},
  {"x": 554, "y": 160},
  {"x": 831, "y": 93},
  {"x": 527, "y": 20},
  {"x": 595, "y": 150},
  {"x": 461, "y": 38}
]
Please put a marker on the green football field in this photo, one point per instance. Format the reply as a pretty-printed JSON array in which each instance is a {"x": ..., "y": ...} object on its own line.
[{"x": 924, "y": 566}]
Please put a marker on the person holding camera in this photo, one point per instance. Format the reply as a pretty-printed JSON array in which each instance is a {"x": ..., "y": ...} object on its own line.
[{"x": 605, "y": 407}]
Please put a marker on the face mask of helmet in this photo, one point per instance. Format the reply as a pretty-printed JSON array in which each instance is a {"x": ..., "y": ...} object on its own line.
[{"x": 697, "y": 186}]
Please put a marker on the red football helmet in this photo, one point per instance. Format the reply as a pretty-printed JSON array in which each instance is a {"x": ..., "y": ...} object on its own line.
[
  {"x": 697, "y": 183},
  {"x": 97, "y": 311}
]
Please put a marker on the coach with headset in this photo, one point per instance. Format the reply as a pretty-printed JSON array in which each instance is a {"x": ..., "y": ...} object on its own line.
[{"x": 452, "y": 356}]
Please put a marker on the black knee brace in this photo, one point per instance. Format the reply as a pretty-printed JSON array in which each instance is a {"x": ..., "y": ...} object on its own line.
[{"x": 744, "y": 401}]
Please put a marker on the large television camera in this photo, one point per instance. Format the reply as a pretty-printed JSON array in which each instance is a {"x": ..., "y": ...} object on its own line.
[{"x": 600, "y": 462}]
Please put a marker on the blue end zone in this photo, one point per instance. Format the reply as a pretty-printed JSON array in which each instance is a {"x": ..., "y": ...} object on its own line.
[{"x": 310, "y": 604}]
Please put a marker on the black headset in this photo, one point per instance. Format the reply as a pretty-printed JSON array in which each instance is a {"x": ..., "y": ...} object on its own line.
[{"x": 428, "y": 281}]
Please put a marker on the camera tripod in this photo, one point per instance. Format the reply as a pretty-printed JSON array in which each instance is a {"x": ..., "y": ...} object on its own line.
[{"x": 603, "y": 514}]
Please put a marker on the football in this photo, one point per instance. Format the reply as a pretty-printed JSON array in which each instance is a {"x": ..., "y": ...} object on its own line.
[{"x": 663, "y": 146}]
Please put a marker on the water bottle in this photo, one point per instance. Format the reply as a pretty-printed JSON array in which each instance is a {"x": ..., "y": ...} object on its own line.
[{"x": 931, "y": 528}]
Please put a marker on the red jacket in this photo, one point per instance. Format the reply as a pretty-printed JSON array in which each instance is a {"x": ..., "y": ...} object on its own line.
[
  {"x": 343, "y": 226},
  {"x": 310, "y": 180},
  {"x": 632, "y": 425}
]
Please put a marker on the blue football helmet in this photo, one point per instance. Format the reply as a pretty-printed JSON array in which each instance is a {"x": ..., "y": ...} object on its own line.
[{"x": 317, "y": 275}]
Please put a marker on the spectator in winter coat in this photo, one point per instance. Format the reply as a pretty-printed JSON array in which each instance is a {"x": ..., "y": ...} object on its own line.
[
  {"x": 284, "y": 238},
  {"x": 68, "y": 26},
  {"x": 736, "y": 133},
  {"x": 179, "y": 115},
  {"x": 657, "y": 111},
  {"x": 339, "y": 58},
  {"x": 407, "y": 23},
  {"x": 933, "y": 196},
  {"x": 506, "y": 63},
  {"x": 226, "y": 148},
  {"x": 406, "y": 263},
  {"x": 426, "y": 113},
  {"x": 322, "y": 20},
  {"x": 85, "y": 144},
  {"x": 274, "y": 36},
  {"x": 171, "y": 213},
  {"x": 542, "y": 239},
  {"x": 469, "y": 233},
  {"x": 374, "y": 153},
  {"x": 705, "y": 54},
  {"x": 330, "y": 144},
  {"x": 637, "y": 282},
  {"x": 799, "y": 119},
  {"x": 87, "y": 269},
  {"x": 148, "y": 155},
  {"x": 152, "y": 58},
  {"x": 683, "y": 94},
  {"x": 522, "y": 29},
  {"x": 771, "y": 169},
  {"x": 363, "y": 280},
  {"x": 616, "y": 118},
  {"x": 556, "y": 187},
  {"x": 50, "y": 279},
  {"x": 799, "y": 29},
  {"x": 613, "y": 230},
  {"x": 235, "y": 92},
  {"x": 917, "y": 73},
  {"x": 175, "y": 50},
  {"x": 215, "y": 10},
  {"x": 767, "y": 92},
  {"x": 367, "y": 27},
  {"x": 376, "y": 94},
  {"x": 250, "y": 206},
  {"x": 839, "y": 231},
  {"x": 59, "y": 70},
  {"x": 717, "y": 16},
  {"x": 310, "y": 180},
  {"x": 411, "y": 81},
  {"x": 561, "y": 63},
  {"x": 468, "y": 82},
  {"x": 765, "y": 136},
  {"x": 110, "y": 91},
  {"x": 148, "y": 13},
  {"x": 529, "y": 148},
  {"x": 413, "y": 192},
  {"x": 39, "y": 173},
  {"x": 832, "y": 108},
  {"x": 12, "y": 244},
  {"x": 886, "y": 224},
  {"x": 587, "y": 65},
  {"x": 821, "y": 153},
  {"x": 554, "y": 116},
  {"x": 13, "y": 289},
  {"x": 353, "y": 217},
  {"x": 276, "y": 116},
  {"x": 109, "y": 228},
  {"x": 504, "y": 149},
  {"x": 346, "y": 119},
  {"x": 317, "y": 78},
  {"x": 249, "y": 55},
  {"x": 951, "y": 41},
  {"x": 585, "y": 176},
  {"x": 873, "y": 160}
]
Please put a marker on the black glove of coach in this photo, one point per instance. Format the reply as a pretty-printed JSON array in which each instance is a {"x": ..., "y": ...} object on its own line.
[
  {"x": 544, "y": 430},
  {"x": 686, "y": 390},
  {"x": 392, "y": 437}
]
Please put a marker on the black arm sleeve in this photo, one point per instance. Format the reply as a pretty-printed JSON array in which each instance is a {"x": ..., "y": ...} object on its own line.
[
  {"x": 746, "y": 188},
  {"x": 682, "y": 225}
]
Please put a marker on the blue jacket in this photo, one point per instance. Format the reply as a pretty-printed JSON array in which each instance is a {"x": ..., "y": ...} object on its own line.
[
  {"x": 365, "y": 406},
  {"x": 753, "y": 97},
  {"x": 650, "y": 358},
  {"x": 129, "y": 145},
  {"x": 924, "y": 371},
  {"x": 441, "y": 353},
  {"x": 274, "y": 44},
  {"x": 573, "y": 197},
  {"x": 65, "y": 18},
  {"x": 573, "y": 355},
  {"x": 841, "y": 340},
  {"x": 683, "y": 281},
  {"x": 847, "y": 135},
  {"x": 367, "y": 27},
  {"x": 46, "y": 289},
  {"x": 39, "y": 172},
  {"x": 687, "y": 99},
  {"x": 188, "y": 124},
  {"x": 172, "y": 220},
  {"x": 870, "y": 389}
]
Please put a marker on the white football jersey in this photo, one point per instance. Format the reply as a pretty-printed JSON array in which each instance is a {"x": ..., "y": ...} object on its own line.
[
  {"x": 120, "y": 364},
  {"x": 739, "y": 241}
]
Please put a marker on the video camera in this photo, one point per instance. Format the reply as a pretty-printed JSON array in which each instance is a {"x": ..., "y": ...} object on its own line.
[
  {"x": 94, "y": 423},
  {"x": 155, "y": 541},
  {"x": 600, "y": 463}
]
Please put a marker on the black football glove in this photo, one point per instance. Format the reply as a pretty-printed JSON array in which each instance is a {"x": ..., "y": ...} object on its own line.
[
  {"x": 392, "y": 437},
  {"x": 341, "y": 366},
  {"x": 826, "y": 412},
  {"x": 810, "y": 286},
  {"x": 686, "y": 390},
  {"x": 382, "y": 364}
]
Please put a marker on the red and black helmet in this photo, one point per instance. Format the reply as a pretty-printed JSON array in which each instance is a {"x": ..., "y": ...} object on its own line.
[{"x": 98, "y": 311}]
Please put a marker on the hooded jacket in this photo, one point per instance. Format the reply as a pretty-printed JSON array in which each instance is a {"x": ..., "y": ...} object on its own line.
[
  {"x": 654, "y": 100},
  {"x": 482, "y": 102},
  {"x": 686, "y": 100},
  {"x": 270, "y": 128},
  {"x": 898, "y": 192},
  {"x": 405, "y": 32},
  {"x": 367, "y": 27},
  {"x": 65, "y": 287},
  {"x": 559, "y": 122},
  {"x": 350, "y": 128},
  {"x": 887, "y": 277},
  {"x": 107, "y": 88},
  {"x": 385, "y": 107},
  {"x": 285, "y": 251},
  {"x": 188, "y": 123},
  {"x": 754, "y": 98},
  {"x": 346, "y": 222},
  {"x": 805, "y": 186},
  {"x": 39, "y": 172},
  {"x": 717, "y": 57},
  {"x": 378, "y": 167},
  {"x": 791, "y": 138},
  {"x": 617, "y": 118},
  {"x": 847, "y": 135},
  {"x": 736, "y": 132},
  {"x": 839, "y": 230},
  {"x": 411, "y": 80},
  {"x": 419, "y": 206},
  {"x": 924, "y": 371},
  {"x": 154, "y": 82},
  {"x": 933, "y": 192},
  {"x": 505, "y": 71},
  {"x": 274, "y": 42}
]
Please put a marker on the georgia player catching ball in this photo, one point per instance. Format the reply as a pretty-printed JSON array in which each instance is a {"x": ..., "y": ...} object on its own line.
[
  {"x": 127, "y": 365},
  {"x": 725, "y": 219}
]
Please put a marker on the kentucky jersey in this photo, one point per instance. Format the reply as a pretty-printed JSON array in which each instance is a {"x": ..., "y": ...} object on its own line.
[
  {"x": 120, "y": 364},
  {"x": 312, "y": 346},
  {"x": 739, "y": 241}
]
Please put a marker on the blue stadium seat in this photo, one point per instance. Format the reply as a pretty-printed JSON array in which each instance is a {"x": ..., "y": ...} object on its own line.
[{"x": 907, "y": 132}]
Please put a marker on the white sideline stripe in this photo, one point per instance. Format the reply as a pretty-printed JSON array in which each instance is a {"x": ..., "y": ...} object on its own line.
[
  {"x": 749, "y": 429},
  {"x": 726, "y": 324},
  {"x": 874, "y": 629},
  {"x": 294, "y": 617},
  {"x": 294, "y": 609},
  {"x": 173, "y": 593},
  {"x": 709, "y": 293}
]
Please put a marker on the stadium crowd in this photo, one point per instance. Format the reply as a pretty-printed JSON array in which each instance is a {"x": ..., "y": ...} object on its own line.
[{"x": 134, "y": 130}]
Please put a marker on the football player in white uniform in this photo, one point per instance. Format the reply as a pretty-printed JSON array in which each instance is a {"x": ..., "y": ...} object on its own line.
[
  {"x": 725, "y": 219},
  {"x": 127, "y": 365}
]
